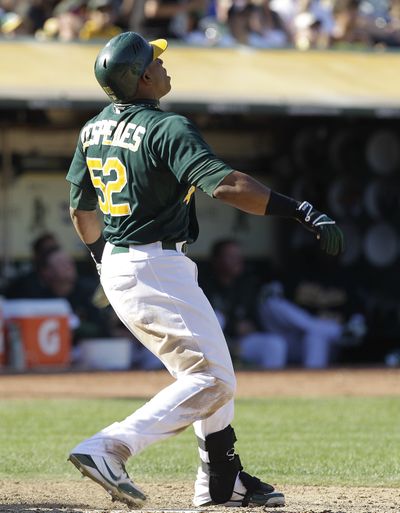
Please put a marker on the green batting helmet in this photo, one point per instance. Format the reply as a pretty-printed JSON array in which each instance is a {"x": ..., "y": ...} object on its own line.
[{"x": 123, "y": 61}]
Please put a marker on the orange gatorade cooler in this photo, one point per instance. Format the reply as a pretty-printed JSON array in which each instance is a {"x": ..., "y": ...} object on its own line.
[
  {"x": 38, "y": 333},
  {"x": 2, "y": 335}
]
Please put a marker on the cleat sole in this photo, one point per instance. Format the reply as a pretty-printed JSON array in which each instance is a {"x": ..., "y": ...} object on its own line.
[
  {"x": 116, "y": 494},
  {"x": 273, "y": 500}
]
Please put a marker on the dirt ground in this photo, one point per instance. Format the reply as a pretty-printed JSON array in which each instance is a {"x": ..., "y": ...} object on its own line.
[
  {"x": 83, "y": 496},
  {"x": 289, "y": 383}
]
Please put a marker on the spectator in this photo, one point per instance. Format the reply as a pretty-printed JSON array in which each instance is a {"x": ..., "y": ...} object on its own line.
[
  {"x": 255, "y": 23},
  {"x": 308, "y": 32},
  {"x": 368, "y": 23},
  {"x": 233, "y": 293},
  {"x": 66, "y": 23},
  {"x": 313, "y": 24},
  {"x": 57, "y": 277},
  {"x": 304, "y": 24},
  {"x": 36, "y": 13},
  {"x": 101, "y": 22},
  {"x": 131, "y": 15},
  {"x": 54, "y": 275},
  {"x": 267, "y": 29},
  {"x": 171, "y": 19},
  {"x": 238, "y": 20},
  {"x": 351, "y": 27},
  {"x": 23, "y": 17}
]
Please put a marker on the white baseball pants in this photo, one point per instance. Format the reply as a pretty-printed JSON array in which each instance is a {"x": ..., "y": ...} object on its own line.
[{"x": 155, "y": 294}]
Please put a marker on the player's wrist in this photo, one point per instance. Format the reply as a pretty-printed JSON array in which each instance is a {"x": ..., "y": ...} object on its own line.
[
  {"x": 96, "y": 249},
  {"x": 282, "y": 206}
]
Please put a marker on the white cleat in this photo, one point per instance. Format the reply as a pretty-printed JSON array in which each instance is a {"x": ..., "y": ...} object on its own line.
[{"x": 110, "y": 473}]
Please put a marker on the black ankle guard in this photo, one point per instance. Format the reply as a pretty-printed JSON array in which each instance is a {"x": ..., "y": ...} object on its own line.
[
  {"x": 251, "y": 483},
  {"x": 224, "y": 464}
]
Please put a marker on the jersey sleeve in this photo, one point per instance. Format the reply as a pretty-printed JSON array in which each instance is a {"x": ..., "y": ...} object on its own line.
[
  {"x": 78, "y": 173},
  {"x": 178, "y": 144},
  {"x": 82, "y": 198}
]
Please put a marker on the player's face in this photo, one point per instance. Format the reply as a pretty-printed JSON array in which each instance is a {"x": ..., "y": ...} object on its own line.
[{"x": 161, "y": 82}]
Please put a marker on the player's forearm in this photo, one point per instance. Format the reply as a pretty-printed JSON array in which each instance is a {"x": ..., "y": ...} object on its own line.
[
  {"x": 87, "y": 224},
  {"x": 243, "y": 192},
  {"x": 247, "y": 194}
]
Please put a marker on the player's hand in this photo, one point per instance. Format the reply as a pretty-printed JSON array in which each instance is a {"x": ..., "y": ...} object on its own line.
[
  {"x": 324, "y": 228},
  {"x": 98, "y": 264}
]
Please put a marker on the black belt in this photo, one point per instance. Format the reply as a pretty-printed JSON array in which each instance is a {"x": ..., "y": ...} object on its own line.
[
  {"x": 164, "y": 244},
  {"x": 168, "y": 245}
]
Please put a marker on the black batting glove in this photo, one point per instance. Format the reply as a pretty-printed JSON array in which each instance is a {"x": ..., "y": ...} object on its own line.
[{"x": 324, "y": 228}]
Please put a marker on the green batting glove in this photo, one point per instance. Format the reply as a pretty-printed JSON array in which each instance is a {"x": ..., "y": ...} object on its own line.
[{"x": 324, "y": 228}]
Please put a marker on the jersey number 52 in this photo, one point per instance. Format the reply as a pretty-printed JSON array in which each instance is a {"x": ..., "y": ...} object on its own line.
[{"x": 109, "y": 205}]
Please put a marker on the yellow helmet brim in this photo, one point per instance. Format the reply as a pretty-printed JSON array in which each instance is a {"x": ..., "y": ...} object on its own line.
[{"x": 159, "y": 46}]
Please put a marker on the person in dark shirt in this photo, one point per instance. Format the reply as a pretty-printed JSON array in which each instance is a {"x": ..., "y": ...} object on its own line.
[
  {"x": 233, "y": 293},
  {"x": 26, "y": 284},
  {"x": 56, "y": 276}
]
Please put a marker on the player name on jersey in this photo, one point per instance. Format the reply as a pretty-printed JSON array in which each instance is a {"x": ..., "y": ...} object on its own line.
[{"x": 109, "y": 132}]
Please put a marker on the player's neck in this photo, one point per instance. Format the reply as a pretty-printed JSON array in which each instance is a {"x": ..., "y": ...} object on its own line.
[{"x": 139, "y": 102}]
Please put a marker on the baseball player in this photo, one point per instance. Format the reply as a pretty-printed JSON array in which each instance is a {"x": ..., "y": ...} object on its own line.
[{"x": 141, "y": 166}]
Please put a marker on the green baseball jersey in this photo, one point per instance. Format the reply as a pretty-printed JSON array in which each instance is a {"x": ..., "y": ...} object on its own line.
[{"x": 144, "y": 165}]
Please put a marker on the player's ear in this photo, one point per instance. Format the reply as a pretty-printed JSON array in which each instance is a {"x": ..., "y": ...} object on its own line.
[{"x": 146, "y": 77}]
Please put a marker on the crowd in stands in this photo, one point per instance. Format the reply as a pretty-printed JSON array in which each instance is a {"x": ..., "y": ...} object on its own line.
[{"x": 302, "y": 24}]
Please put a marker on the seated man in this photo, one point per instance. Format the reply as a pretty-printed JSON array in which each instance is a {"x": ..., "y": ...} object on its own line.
[
  {"x": 57, "y": 277},
  {"x": 27, "y": 283},
  {"x": 310, "y": 339},
  {"x": 233, "y": 294}
]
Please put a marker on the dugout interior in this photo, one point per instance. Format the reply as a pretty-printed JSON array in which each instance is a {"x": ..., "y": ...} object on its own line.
[{"x": 331, "y": 138}]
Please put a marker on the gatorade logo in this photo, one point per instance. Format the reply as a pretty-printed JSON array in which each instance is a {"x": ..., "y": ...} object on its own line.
[{"x": 49, "y": 337}]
